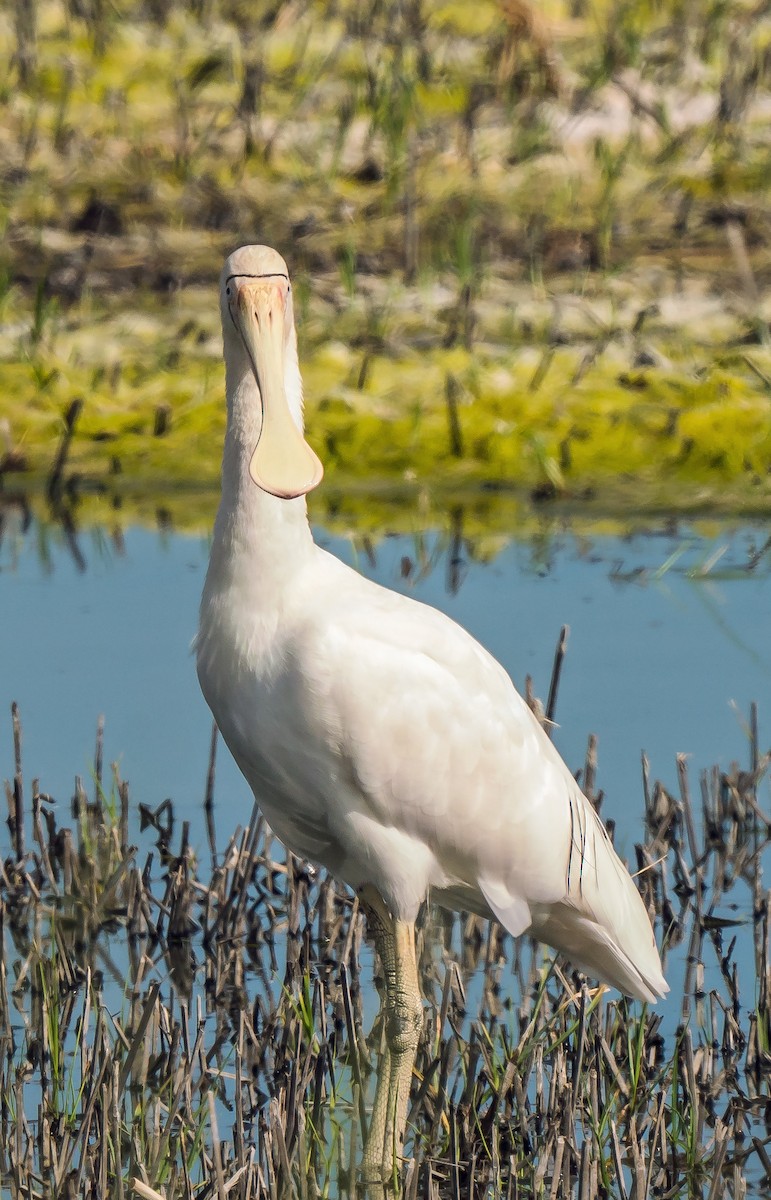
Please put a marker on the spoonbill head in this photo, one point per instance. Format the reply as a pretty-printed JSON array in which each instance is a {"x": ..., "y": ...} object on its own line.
[
  {"x": 379, "y": 738},
  {"x": 260, "y": 346}
]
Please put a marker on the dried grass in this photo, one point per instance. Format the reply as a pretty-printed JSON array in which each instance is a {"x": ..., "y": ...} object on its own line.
[{"x": 170, "y": 1030}]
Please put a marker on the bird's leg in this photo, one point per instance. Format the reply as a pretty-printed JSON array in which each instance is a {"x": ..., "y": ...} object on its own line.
[{"x": 395, "y": 943}]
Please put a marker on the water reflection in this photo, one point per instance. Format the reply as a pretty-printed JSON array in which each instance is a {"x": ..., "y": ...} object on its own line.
[{"x": 447, "y": 542}]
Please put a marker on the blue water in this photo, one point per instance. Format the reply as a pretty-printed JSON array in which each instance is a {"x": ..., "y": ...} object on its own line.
[
  {"x": 660, "y": 658},
  {"x": 668, "y": 646}
]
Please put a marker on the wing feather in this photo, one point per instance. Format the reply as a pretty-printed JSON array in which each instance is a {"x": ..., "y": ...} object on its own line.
[{"x": 448, "y": 756}]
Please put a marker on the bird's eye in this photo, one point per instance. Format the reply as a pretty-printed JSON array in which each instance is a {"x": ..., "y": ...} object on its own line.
[{"x": 227, "y": 290}]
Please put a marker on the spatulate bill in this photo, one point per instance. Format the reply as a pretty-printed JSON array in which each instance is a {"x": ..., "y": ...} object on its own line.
[{"x": 283, "y": 463}]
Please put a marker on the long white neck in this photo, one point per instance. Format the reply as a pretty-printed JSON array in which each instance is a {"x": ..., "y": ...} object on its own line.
[{"x": 255, "y": 533}]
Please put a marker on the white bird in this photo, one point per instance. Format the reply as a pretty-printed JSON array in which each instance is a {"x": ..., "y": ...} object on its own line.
[{"x": 380, "y": 739}]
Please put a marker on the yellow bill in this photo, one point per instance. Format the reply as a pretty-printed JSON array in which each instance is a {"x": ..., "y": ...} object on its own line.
[{"x": 283, "y": 463}]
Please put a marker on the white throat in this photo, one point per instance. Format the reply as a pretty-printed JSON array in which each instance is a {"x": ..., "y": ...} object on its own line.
[{"x": 254, "y": 531}]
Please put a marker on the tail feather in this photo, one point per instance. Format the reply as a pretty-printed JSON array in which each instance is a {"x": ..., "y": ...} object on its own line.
[
  {"x": 602, "y": 924},
  {"x": 599, "y": 922},
  {"x": 594, "y": 950}
]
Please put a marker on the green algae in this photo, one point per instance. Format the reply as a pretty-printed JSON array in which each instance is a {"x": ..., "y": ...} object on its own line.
[
  {"x": 569, "y": 421},
  {"x": 660, "y": 431}
]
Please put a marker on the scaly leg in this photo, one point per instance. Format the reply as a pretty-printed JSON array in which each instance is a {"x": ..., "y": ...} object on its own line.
[{"x": 395, "y": 943}]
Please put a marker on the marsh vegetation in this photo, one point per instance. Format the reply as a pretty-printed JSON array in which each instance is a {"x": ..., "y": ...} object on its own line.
[
  {"x": 178, "y": 1024},
  {"x": 530, "y": 245}
]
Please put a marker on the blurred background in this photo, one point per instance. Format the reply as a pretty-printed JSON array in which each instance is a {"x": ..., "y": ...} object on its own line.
[{"x": 529, "y": 244}]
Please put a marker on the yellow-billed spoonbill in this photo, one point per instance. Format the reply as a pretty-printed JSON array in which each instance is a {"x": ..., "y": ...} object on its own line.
[{"x": 379, "y": 738}]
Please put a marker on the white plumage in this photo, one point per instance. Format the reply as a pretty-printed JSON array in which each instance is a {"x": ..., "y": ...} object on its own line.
[{"x": 380, "y": 739}]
